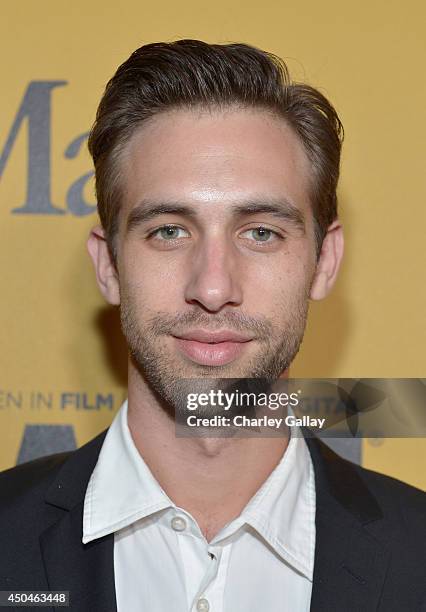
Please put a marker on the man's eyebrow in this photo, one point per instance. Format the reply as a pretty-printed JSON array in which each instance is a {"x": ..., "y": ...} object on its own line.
[
  {"x": 282, "y": 208},
  {"x": 145, "y": 211}
]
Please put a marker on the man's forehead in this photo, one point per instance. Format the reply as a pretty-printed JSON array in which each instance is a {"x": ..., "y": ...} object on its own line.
[
  {"x": 215, "y": 158},
  {"x": 222, "y": 140}
]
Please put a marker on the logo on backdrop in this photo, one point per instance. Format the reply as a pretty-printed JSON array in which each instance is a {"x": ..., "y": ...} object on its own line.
[{"x": 35, "y": 111}]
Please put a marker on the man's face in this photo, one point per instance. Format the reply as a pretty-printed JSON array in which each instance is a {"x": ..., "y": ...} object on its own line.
[{"x": 216, "y": 248}]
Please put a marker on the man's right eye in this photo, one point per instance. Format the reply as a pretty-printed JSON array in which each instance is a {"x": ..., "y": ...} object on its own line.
[{"x": 168, "y": 232}]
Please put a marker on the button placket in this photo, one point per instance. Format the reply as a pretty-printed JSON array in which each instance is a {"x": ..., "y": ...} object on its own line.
[{"x": 202, "y": 597}]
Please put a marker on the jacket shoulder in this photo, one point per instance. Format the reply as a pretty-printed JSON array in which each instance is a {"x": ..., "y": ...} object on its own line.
[
  {"x": 393, "y": 494},
  {"x": 366, "y": 493},
  {"x": 30, "y": 477},
  {"x": 60, "y": 479}
]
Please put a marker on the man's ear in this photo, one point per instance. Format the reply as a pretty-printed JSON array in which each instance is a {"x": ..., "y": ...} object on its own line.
[
  {"x": 106, "y": 273},
  {"x": 329, "y": 262}
]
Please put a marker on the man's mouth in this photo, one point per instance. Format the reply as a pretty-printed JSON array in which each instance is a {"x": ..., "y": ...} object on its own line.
[{"x": 212, "y": 348}]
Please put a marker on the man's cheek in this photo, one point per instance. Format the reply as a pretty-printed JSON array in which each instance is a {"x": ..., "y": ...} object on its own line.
[{"x": 264, "y": 292}]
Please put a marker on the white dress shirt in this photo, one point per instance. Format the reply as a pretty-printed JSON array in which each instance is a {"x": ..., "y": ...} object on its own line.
[{"x": 261, "y": 561}]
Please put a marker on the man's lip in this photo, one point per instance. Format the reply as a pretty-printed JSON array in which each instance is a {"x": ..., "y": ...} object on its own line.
[
  {"x": 211, "y": 353},
  {"x": 213, "y": 337}
]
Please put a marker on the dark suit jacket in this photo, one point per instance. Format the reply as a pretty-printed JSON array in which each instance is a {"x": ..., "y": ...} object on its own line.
[{"x": 370, "y": 538}]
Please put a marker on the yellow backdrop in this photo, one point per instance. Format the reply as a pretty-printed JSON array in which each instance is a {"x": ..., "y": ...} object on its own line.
[{"x": 59, "y": 343}]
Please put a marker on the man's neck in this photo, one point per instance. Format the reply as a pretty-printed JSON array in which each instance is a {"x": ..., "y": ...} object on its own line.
[{"x": 211, "y": 478}]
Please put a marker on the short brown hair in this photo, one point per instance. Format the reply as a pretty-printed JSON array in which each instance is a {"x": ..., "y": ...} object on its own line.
[{"x": 190, "y": 73}]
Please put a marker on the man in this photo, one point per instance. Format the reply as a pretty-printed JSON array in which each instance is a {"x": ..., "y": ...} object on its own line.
[{"x": 216, "y": 182}]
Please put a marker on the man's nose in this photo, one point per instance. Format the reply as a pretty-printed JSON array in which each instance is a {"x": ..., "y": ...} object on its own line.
[{"x": 214, "y": 279}]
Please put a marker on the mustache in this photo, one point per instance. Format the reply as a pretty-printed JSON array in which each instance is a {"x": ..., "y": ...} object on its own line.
[{"x": 165, "y": 323}]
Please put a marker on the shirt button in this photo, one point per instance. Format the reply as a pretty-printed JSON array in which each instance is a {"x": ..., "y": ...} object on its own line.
[
  {"x": 203, "y": 605},
  {"x": 178, "y": 523}
]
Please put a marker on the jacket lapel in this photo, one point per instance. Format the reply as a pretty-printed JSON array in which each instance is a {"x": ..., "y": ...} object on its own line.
[
  {"x": 85, "y": 570},
  {"x": 350, "y": 564}
]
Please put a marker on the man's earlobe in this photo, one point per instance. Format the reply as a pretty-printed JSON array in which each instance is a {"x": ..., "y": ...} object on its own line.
[
  {"x": 106, "y": 273},
  {"x": 329, "y": 262}
]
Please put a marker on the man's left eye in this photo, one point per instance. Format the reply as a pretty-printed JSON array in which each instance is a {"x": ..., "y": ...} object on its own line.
[{"x": 261, "y": 234}]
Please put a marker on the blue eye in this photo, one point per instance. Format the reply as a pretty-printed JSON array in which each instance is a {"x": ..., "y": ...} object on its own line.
[
  {"x": 170, "y": 232},
  {"x": 261, "y": 234}
]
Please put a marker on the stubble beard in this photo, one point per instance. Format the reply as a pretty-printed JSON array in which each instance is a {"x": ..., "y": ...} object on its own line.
[{"x": 169, "y": 377}]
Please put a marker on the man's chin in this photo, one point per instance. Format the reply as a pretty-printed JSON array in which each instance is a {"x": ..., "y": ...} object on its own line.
[{"x": 198, "y": 371}]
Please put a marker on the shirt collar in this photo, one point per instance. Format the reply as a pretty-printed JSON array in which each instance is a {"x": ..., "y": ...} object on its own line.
[
  {"x": 122, "y": 490},
  {"x": 283, "y": 509}
]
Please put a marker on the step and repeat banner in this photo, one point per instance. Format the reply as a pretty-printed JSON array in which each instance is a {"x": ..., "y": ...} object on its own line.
[{"x": 62, "y": 357}]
